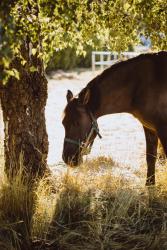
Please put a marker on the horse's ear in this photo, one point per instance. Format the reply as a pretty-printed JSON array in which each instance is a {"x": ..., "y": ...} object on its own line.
[
  {"x": 85, "y": 97},
  {"x": 69, "y": 95}
]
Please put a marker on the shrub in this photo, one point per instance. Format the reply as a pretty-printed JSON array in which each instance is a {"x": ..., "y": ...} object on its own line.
[{"x": 68, "y": 59}]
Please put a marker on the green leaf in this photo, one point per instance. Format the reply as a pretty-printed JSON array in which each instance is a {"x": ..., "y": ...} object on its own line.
[
  {"x": 16, "y": 74},
  {"x": 13, "y": 72},
  {"x": 33, "y": 69},
  {"x": 23, "y": 62},
  {"x": 126, "y": 6},
  {"x": 34, "y": 51}
]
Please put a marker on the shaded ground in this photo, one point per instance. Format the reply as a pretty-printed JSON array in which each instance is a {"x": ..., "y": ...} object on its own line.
[{"x": 91, "y": 210}]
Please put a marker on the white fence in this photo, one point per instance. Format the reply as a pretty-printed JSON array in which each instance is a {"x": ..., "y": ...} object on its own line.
[{"x": 106, "y": 58}]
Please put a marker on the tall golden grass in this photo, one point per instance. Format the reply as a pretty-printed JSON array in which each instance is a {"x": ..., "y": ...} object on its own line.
[{"x": 88, "y": 209}]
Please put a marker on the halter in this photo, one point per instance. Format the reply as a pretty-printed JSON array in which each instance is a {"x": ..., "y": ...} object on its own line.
[{"x": 86, "y": 146}]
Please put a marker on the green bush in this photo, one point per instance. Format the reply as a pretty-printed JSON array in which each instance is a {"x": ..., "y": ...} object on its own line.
[{"x": 68, "y": 59}]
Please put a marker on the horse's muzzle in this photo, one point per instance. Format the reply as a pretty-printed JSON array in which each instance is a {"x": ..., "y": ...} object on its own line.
[{"x": 72, "y": 161}]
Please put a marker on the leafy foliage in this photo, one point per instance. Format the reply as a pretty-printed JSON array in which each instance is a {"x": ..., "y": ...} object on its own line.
[{"x": 49, "y": 25}]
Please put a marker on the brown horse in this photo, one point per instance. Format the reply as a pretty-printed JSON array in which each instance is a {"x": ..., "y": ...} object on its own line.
[{"x": 137, "y": 86}]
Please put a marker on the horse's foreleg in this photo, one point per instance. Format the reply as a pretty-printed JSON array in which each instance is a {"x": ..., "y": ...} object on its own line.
[{"x": 151, "y": 154}]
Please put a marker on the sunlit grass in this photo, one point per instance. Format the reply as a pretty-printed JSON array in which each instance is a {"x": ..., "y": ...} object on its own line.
[
  {"x": 84, "y": 210},
  {"x": 16, "y": 209}
]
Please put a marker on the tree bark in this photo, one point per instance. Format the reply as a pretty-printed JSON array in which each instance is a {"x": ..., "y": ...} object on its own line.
[{"x": 23, "y": 104}]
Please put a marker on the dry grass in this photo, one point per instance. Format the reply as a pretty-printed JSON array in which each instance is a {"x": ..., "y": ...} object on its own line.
[{"x": 84, "y": 210}]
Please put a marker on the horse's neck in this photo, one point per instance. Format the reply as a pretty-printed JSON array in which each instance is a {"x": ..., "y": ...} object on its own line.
[{"x": 116, "y": 90}]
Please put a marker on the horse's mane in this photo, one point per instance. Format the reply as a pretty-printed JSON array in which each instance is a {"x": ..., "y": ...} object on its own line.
[{"x": 140, "y": 57}]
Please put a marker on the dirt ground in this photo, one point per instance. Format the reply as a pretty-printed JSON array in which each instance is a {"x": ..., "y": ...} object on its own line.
[{"x": 123, "y": 138}]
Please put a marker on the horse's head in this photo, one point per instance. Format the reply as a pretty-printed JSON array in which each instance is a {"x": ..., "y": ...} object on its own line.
[{"x": 80, "y": 128}]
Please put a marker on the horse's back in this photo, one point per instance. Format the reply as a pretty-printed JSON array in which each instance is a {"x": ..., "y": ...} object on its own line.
[
  {"x": 150, "y": 93},
  {"x": 160, "y": 67}
]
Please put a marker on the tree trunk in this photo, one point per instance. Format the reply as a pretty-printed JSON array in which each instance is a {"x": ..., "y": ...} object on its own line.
[{"x": 23, "y": 104}]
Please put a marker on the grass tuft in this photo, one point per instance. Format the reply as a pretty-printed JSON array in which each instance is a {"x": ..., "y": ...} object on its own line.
[
  {"x": 16, "y": 208},
  {"x": 89, "y": 209}
]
